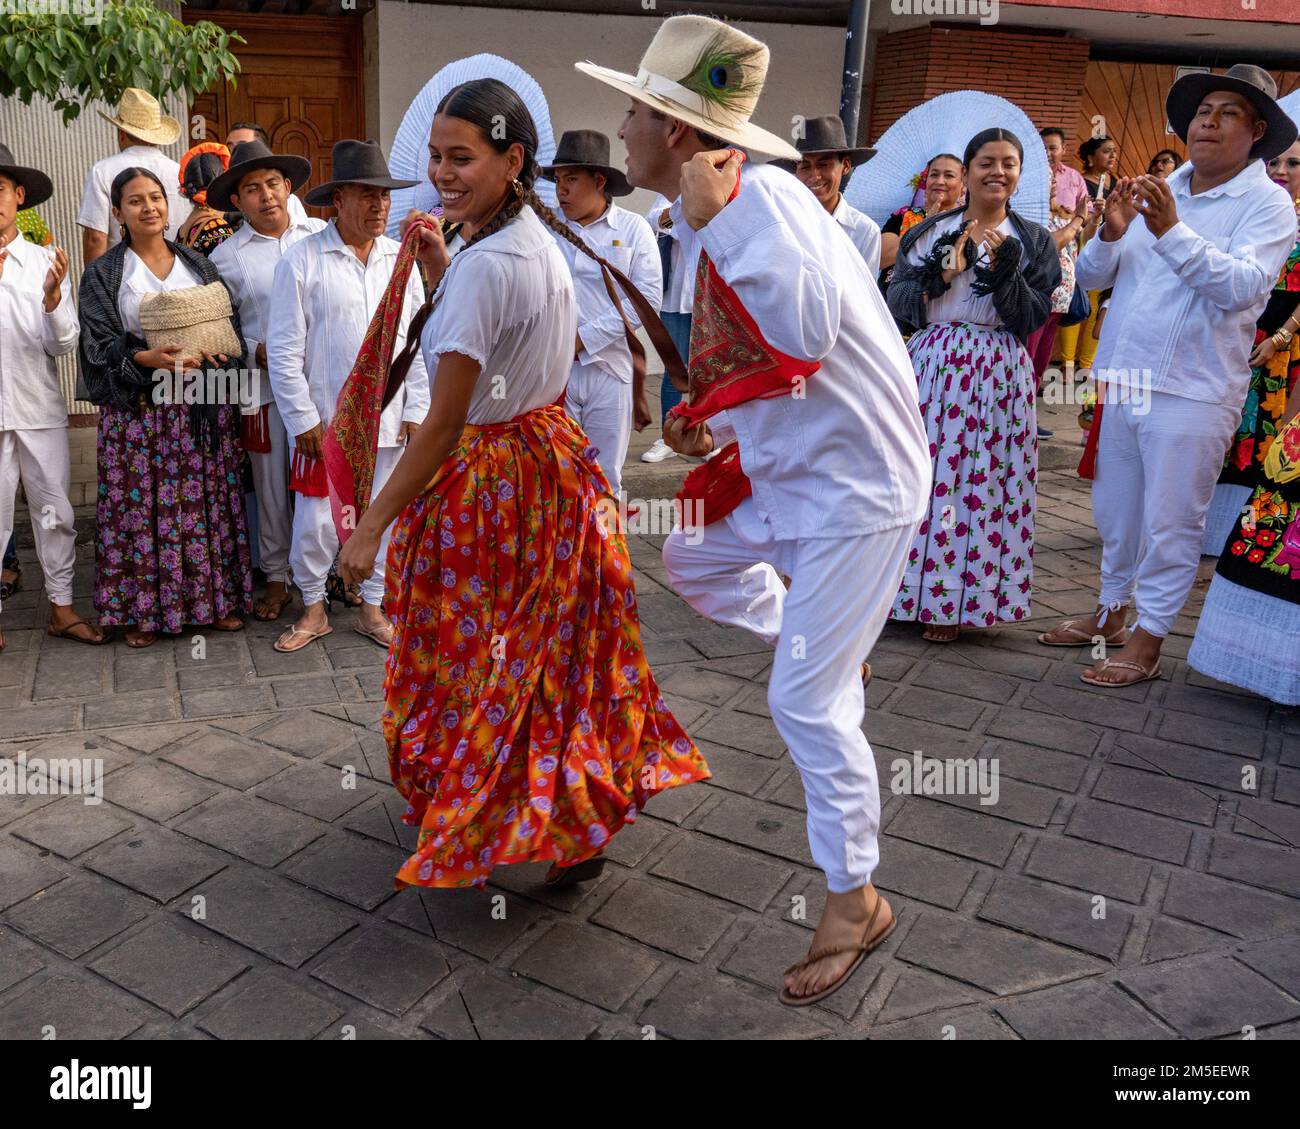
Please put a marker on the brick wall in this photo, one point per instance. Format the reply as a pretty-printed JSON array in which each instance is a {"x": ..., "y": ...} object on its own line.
[{"x": 1043, "y": 74}]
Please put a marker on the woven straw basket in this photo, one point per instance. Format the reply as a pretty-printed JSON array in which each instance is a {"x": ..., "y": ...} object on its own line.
[{"x": 196, "y": 318}]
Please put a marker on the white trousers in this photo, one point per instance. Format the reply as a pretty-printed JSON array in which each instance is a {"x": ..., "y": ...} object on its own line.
[
  {"x": 40, "y": 459},
  {"x": 602, "y": 407},
  {"x": 839, "y": 598},
  {"x": 1157, "y": 465},
  {"x": 316, "y": 542},
  {"x": 271, "y": 485}
]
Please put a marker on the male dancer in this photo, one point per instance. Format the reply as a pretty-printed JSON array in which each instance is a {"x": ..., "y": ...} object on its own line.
[
  {"x": 1190, "y": 281},
  {"x": 260, "y": 185},
  {"x": 838, "y": 467},
  {"x": 826, "y": 162},
  {"x": 600, "y": 395},
  {"x": 324, "y": 292}
]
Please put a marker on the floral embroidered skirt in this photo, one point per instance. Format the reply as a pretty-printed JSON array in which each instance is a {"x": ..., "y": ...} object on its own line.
[
  {"x": 972, "y": 561},
  {"x": 171, "y": 541},
  {"x": 522, "y": 720}
]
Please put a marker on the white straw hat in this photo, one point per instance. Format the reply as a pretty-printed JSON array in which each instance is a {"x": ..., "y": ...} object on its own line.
[
  {"x": 705, "y": 73},
  {"x": 140, "y": 115}
]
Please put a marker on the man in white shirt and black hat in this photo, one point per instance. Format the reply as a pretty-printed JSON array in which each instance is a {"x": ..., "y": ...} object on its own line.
[
  {"x": 260, "y": 185},
  {"x": 324, "y": 292},
  {"x": 1192, "y": 260},
  {"x": 826, "y": 162},
  {"x": 600, "y": 393},
  {"x": 241, "y": 132},
  {"x": 38, "y": 322}
]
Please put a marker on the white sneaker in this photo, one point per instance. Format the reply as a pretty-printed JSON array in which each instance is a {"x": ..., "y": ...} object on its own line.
[{"x": 657, "y": 452}]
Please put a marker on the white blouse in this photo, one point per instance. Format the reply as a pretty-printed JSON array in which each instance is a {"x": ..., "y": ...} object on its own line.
[
  {"x": 958, "y": 302},
  {"x": 508, "y": 303},
  {"x": 138, "y": 280}
]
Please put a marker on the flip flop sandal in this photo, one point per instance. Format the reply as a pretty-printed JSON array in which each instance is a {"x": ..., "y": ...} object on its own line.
[
  {"x": 1081, "y": 638},
  {"x": 373, "y": 636},
  {"x": 148, "y": 640},
  {"x": 64, "y": 633},
  {"x": 584, "y": 871},
  {"x": 218, "y": 627},
  {"x": 12, "y": 587},
  {"x": 1122, "y": 664},
  {"x": 862, "y": 949},
  {"x": 311, "y": 637}
]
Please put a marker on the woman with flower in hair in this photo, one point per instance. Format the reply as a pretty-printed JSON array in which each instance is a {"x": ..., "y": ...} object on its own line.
[
  {"x": 944, "y": 181},
  {"x": 522, "y": 720}
]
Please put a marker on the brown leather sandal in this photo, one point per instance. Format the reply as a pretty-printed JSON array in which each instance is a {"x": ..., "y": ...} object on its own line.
[
  {"x": 862, "y": 949},
  {"x": 65, "y": 632}
]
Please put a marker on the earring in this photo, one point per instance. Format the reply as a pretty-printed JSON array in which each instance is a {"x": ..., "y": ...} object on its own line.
[{"x": 518, "y": 188}]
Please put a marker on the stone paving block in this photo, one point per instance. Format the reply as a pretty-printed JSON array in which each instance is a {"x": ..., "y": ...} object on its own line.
[
  {"x": 988, "y": 655},
  {"x": 136, "y": 708},
  {"x": 917, "y": 992},
  {"x": 156, "y": 862},
  {"x": 70, "y": 672},
  {"x": 724, "y": 642},
  {"x": 309, "y": 734},
  {"x": 70, "y": 826},
  {"x": 270, "y": 663},
  {"x": 268, "y": 1007},
  {"x": 714, "y": 868},
  {"x": 1082, "y": 705},
  {"x": 676, "y": 804},
  {"x": 14, "y": 808},
  {"x": 765, "y": 827},
  {"x": 364, "y": 656},
  {"x": 1179, "y": 992},
  {"x": 227, "y": 759},
  {"x": 737, "y": 771},
  {"x": 1230, "y": 908},
  {"x": 151, "y": 738},
  {"x": 206, "y": 675},
  {"x": 1209, "y": 733},
  {"x": 1239, "y": 709},
  {"x": 75, "y": 916},
  {"x": 17, "y": 962},
  {"x": 385, "y": 967},
  {"x": 305, "y": 690},
  {"x": 1169, "y": 938},
  {"x": 786, "y": 788},
  {"x": 1286, "y": 786},
  {"x": 224, "y": 702},
  {"x": 1275, "y": 823},
  {"x": 741, "y": 731},
  {"x": 351, "y": 867},
  {"x": 700, "y": 684},
  {"x": 636, "y": 840},
  {"x": 952, "y": 678},
  {"x": 23, "y": 874},
  {"x": 686, "y": 712},
  {"x": 1017, "y": 802},
  {"x": 1064, "y": 916},
  {"x": 1278, "y": 960},
  {"x": 172, "y": 967},
  {"x": 928, "y": 876},
  {"x": 1156, "y": 793},
  {"x": 479, "y": 922},
  {"x": 966, "y": 1024},
  {"x": 157, "y": 790},
  {"x": 73, "y": 1010},
  {"x": 382, "y": 820},
  {"x": 953, "y": 829},
  {"x": 1095, "y": 870},
  {"x": 1129, "y": 830},
  {"x": 1047, "y": 767},
  {"x": 316, "y": 790},
  {"x": 253, "y": 829},
  {"x": 695, "y": 1006},
  {"x": 362, "y": 753},
  {"x": 82, "y": 747},
  {"x": 990, "y": 958},
  {"x": 30, "y": 720},
  {"x": 588, "y": 964},
  {"x": 488, "y": 1007},
  {"x": 686, "y": 925},
  {"x": 1080, "y": 1011},
  {"x": 1051, "y": 732},
  {"x": 271, "y": 915},
  {"x": 930, "y": 705},
  {"x": 1256, "y": 864},
  {"x": 1216, "y": 771},
  {"x": 906, "y": 735}
]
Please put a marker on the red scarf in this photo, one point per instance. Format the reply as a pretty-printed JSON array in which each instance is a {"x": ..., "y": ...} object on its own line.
[{"x": 731, "y": 363}]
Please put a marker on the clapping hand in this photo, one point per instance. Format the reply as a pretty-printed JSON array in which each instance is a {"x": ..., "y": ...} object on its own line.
[
  {"x": 54, "y": 279},
  {"x": 1155, "y": 200}
]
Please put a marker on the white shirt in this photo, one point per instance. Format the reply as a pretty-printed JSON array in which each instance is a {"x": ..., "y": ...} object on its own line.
[
  {"x": 96, "y": 206},
  {"x": 851, "y": 457},
  {"x": 30, "y": 339},
  {"x": 625, "y": 240},
  {"x": 862, "y": 230},
  {"x": 247, "y": 262},
  {"x": 322, "y": 300},
  {"x": 959, "y": 302},
  {"x": 138, "y": 280},
  {"x": 679, "y": 287},
  {"x": 507, "y": 302},
  {"x": 1182, "y": 317}
]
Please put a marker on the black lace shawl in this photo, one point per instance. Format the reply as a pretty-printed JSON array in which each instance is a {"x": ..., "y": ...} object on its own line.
[
  {"x": 106, "y": 349},
  {"x": 1027, "y": 270}
]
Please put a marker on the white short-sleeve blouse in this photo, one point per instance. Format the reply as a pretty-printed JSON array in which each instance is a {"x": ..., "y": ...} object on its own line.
[
  {"x": 508, "y": 303},
  {"x": 138, "y": 280},
  {"x": 958, "y": 302}
]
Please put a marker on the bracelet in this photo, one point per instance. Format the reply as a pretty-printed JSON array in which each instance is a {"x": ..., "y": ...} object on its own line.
[{"x": 1282, "y": 338}]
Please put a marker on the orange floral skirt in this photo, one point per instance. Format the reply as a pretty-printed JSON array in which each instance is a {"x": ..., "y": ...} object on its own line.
[{"x": 522, "y": 720}]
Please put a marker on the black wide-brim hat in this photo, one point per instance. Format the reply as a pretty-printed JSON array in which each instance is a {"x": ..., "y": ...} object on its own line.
[
  {"x": 247, "y": 157},
  {"x": 826, "y": 135},
  {"x": 587, "y": 149},
  {"x": 1253, "y": 83},
  {"x": 36, "y": 186},
  {"x": 355, "y": 162}
]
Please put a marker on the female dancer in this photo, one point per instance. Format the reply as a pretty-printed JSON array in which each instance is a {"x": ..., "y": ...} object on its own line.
[
  {"x": 522, "y": 720},
  {"x": 975, "y": 283},
  {"x": 171, "y": 543},
  {"x": 945, "y": 181}
]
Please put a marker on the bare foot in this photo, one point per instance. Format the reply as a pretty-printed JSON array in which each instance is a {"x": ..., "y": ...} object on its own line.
[
  {"x": 372, "y": 622},
  {"x": 842, "y": 925},
  {"x": 937, "y": 633},
  {"x": 1142, "y": 649},
  {"x": 1090, "y": 626},
  {"x": 271, "y": 605},
  {"x": 137, "y": 638}
]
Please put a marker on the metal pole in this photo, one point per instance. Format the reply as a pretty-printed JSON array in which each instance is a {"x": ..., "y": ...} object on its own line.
[{"x": 855, "y": 58}]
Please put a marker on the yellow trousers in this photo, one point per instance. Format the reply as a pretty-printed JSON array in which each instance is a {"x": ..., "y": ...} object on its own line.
[{"x": 1076, "y": 342}]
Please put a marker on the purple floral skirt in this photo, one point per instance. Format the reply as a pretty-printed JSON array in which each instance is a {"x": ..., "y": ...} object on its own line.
[{"x": 171, "y": 545}]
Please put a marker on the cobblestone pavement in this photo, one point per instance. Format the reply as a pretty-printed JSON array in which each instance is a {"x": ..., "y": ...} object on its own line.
[{"x": 1124, "y": 884}]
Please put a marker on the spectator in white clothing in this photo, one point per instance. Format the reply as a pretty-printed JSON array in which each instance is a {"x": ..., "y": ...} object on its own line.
[{"x": 241, "y": 132}]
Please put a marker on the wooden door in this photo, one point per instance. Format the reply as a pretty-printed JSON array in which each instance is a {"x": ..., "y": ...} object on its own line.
[{"x": 301, "y": 81}]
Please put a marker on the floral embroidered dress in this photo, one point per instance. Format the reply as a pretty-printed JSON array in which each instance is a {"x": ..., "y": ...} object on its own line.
[{"x": 522, "y": 720}]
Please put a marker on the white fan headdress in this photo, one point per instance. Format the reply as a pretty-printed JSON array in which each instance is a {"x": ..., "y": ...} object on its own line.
[
  {"x": 1291, "y": 105},
  {"x": 409, "y": 159},
  {"x": 945, "y": 125}
]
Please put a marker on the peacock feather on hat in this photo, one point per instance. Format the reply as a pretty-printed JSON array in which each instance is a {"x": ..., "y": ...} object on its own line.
[{"x": 724, "y": 73}]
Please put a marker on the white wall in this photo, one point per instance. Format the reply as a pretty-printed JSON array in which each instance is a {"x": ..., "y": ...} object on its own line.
[{"x": 413, "y": 41}]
